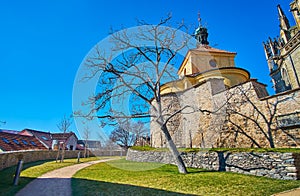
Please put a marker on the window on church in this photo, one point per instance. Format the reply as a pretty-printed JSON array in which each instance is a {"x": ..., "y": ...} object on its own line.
[
  {"x": 285, "y": 78},
  {"x": 279, "y": 82}
]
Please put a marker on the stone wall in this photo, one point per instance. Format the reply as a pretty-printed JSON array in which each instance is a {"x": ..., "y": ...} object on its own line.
[
  {"x": 285, "y": 166},
  {"x": 11, "y": 158}
]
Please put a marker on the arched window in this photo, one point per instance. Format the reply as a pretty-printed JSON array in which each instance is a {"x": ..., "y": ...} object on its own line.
[{"x": 285, "y": 78}]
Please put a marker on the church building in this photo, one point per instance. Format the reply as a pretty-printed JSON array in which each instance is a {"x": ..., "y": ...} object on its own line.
[
  {"x": 283, "y": 53},
  {"x": 226, "y": 107}
]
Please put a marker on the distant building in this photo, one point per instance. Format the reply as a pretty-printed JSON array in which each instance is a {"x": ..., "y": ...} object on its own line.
[
  {"x": 90, "y": 144},
  {"x": 142, "y": 141}
]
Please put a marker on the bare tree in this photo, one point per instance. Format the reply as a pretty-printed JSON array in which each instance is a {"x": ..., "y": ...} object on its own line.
[
  {"x": 123, "y": 135},
  {"x": 141, "y": 71},
  {"x": 141, "y": 133},
  {"x": 63, "y": 126},
  {"x": 251, "y": 117}
]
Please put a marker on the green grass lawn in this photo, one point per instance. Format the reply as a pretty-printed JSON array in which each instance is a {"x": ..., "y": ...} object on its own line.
[
  {"x": 30, "y": 172},
  {"x": 109, "y": 179}
]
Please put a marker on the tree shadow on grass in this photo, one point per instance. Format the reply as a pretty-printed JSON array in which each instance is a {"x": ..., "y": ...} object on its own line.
[{"x": 89, "y": 187}]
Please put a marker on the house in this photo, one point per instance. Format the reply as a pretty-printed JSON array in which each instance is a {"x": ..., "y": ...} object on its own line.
[
  {"x": 13, "y": 141},
  {"x": 70, "y": 139},
  {"x": 30, "y": 139}
]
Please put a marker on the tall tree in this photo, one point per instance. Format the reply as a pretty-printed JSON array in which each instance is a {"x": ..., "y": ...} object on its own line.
[
  {"x": 63, "y": 126},
  {"x": 145, "y": 61}
]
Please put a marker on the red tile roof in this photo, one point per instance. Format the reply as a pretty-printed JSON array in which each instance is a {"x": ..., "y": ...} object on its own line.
[
  {"x": 206, "y": 48},
  {"x": 44, "y": 137},
  {"x": 16, "y": 142}
]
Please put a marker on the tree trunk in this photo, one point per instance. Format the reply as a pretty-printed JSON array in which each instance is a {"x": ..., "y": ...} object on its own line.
[
  {"x": 85, "y": 149},
  {"x": 271, "y": 141},
  {"x": 58, "y": 153},
  {"x": 63, "y": 153},
  {"x": 178, "y": 159}
]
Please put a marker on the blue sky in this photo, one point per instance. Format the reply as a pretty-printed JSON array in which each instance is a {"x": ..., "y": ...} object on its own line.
[{"x": 42, "y": 43}]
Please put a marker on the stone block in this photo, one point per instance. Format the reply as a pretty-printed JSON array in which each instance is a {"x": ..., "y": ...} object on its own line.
[{"x": 291, "y": 169}]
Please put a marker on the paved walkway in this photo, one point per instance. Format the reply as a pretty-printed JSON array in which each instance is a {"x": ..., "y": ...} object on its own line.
[
  {"x": 294, "y": 192},
  {"x": 57, "y": 182}
]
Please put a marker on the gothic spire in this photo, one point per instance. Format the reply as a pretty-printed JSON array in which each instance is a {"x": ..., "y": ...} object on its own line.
[{"x": 284, "y": 22}]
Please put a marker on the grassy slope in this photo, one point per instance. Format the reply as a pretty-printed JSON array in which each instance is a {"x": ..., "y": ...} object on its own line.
[
  {"x": 108, "y": 179},
  {"x": 30, "y": 172}
]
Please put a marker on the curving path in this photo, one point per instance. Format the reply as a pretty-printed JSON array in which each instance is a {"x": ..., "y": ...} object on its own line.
[{"x": 57, "y": 182}]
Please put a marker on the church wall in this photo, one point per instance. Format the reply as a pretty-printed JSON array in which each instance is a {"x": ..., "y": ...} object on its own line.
[
  {"x": 196, "y": 98},
  {"x": 254, "y": 128},
  {"x": 170, "y": 104},
  {"x": 291, "y": 60},
  {"x": 295, "y": 6},
  {"x": 244, "y": 109}
]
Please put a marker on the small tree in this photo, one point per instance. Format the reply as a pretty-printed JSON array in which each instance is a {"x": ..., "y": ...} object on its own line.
[
  {"x": 63, "y": 126},
  {"x": 123, "y": 135},
  {"x": 86, "y": 135}
]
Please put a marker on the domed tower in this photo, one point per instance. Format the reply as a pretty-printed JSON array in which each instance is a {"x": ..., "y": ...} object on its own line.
[{"x": 204, "y": 63}]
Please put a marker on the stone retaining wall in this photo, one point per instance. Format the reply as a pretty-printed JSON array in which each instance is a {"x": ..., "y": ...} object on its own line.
[
  {"x": 270, "y": 164},
  {"x": 9, "y": 159}
]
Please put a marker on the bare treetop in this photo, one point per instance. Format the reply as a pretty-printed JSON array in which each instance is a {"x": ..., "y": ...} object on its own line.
[{"x": 131, "y": 66}]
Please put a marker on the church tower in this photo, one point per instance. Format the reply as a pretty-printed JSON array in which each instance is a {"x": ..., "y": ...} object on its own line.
[
  {"x": 205, "y": 63},
  {"x": 283, "y": 53}
]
